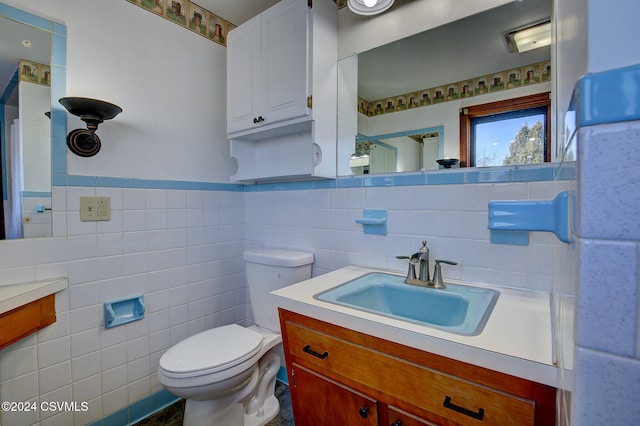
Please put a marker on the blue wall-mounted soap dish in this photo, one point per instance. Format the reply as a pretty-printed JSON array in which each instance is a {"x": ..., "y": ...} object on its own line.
[
  {"x": 122, "y": 311},
  {"x": 374, "y": 222},
  {"x": 511, "y": 221}
]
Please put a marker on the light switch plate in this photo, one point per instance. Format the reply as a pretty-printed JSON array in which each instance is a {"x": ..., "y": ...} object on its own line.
[{"x": 95, "y": 208}]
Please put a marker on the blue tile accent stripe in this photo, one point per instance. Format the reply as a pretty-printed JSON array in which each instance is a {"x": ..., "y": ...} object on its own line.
[
  {"x": 138, "y": 410},
  {"x": 609, "y": 96},
  {"x": 282, "y": 375},
  {"x": 545, "y": 172},
  {"x": 36, "y": 194}
]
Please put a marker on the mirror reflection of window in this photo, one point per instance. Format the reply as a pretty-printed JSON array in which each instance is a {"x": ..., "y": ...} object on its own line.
[{"x": 439, "y": 71}]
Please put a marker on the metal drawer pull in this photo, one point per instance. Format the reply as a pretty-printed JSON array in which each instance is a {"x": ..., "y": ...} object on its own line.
[
  {"x": 448, "y": 404},
  {"x": 364, "y": 411},
  {"x": 308, "y": 350}
]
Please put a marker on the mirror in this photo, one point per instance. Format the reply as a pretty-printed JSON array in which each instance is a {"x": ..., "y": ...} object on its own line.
[
  {"x": 27, "y": 117},
  {"x": 382, "y": 91},
  {"x": 397, "y": 152}
]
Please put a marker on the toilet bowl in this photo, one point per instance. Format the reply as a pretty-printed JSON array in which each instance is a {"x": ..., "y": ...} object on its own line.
[{"x": 227, "y": 374}]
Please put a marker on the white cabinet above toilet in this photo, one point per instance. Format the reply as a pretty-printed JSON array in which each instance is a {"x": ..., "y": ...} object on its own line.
[{"x": 282, "y": 92}]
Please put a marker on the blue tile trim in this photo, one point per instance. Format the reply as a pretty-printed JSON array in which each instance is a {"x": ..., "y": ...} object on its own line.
[
  {"x": 349, "y": 182},
  {"x": 445, "y": 178},
  {"x": 488, "y": 176},
  {"x": 378, "y": 181},
  {"x": 282, "y": 375},
  {"x": 138, "y": 410},
  {"x": 532, "y": 175},
  {"x": 609, "y": 96},
  {"x": 36, "y": 194},
  {"x": 409, "y": 179},
  {"x": 449, "y": 177},
  {"x": 25, "y": 17}
]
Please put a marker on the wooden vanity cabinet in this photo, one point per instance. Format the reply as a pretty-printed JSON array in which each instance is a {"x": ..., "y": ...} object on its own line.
[
  {"x": 20, "y": 322},
  {"x": 333, "y": 371}
]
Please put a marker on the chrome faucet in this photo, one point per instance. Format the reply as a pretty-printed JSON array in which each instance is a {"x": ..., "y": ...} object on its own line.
[{"x": 421, "y": 258}]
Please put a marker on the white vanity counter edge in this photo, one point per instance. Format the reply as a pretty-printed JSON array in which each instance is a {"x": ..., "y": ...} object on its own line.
[
  {"x": 516, "y": 340},
  {"x": 16, "y": 295}
]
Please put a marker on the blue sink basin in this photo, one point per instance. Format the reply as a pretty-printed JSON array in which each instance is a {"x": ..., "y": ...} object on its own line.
[{"x": 458, "y": 309}]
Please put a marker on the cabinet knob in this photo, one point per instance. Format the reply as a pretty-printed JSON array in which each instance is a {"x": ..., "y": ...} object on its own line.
[
  {"x": 258, "y": 119},
  {"x": 396, "y": 423},
  {"x": 364, "y": 412}
]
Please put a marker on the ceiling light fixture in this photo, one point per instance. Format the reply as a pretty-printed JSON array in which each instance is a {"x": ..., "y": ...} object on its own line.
[
  {"x": 530, "y": 37},
  {"x": 369, "y": 7}
]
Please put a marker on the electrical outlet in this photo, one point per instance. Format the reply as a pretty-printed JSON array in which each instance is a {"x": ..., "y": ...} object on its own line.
[
  {"x": 95, "y": 208},
  {"x": 103, "y": 206}
]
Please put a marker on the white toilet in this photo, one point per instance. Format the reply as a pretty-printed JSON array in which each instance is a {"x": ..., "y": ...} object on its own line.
[{"x": 227, "y": 374}]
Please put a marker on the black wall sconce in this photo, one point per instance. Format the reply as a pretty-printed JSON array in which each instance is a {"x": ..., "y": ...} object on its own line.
[{"x": 85, "y": 142}]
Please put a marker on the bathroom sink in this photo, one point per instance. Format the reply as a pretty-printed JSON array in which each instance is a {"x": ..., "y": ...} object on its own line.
[{"x": 458, "y": 309}]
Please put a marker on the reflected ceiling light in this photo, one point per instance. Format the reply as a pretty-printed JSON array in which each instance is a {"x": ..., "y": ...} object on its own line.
[
  {"x": 369, "y": 7},
  {"x": 530, "y": 37}
]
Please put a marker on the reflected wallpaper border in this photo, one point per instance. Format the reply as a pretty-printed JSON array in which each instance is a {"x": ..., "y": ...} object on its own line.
[{"x": 499, "y": 81}]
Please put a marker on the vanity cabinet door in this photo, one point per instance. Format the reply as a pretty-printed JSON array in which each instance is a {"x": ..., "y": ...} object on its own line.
[{"x": 320, "y": 401}]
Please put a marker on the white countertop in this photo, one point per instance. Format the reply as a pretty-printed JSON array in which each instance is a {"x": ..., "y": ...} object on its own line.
[
  {"x": 16, "y": 295},
  {"x": 516, "y": 340}
]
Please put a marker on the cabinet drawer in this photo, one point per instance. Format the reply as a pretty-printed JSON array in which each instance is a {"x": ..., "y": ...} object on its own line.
[{"x": 450, "y": 397}]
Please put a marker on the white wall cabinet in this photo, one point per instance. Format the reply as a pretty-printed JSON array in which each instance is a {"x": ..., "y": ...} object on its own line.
[{"x": 282, "y": 92}]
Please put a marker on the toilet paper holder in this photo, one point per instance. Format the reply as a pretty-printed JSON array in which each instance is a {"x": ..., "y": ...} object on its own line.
[{"x": 122, "y": 311}]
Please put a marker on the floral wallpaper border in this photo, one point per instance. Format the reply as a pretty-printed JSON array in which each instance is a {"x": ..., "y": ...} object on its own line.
[
  {"x": 189, "y": 15},
  {"x": 496, "y": 82},
  {"x": 34, "y": 72}
]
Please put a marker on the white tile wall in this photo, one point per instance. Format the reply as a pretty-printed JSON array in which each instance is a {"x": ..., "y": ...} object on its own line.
[
  {"x": 183, "y": 251},
  {"x": 452, "y": 218},
  {"x": 166, "y": 244}
]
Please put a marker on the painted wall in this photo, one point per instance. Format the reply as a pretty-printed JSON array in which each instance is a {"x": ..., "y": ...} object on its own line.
[
  {"x": 169, "y": 83},
  {"x": 179, "y": 247}
]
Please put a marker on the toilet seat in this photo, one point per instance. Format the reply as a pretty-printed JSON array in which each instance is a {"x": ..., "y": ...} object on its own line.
[{"x": 211, "y": 351}]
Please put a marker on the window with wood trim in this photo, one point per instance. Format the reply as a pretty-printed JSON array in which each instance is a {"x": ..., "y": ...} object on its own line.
[{"x": 509, "y": 132}]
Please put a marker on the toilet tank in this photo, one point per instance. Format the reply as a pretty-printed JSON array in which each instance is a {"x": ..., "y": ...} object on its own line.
[{"x": 269, "y": 270}]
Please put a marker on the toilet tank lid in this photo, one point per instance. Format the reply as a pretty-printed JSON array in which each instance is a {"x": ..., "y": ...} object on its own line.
[{"x": 278, "y": 257}]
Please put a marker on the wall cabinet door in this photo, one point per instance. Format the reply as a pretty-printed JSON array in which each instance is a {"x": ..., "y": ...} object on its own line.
[
  {"x": 243, "y": 72},
  {"x": 268, "y": 68},
  {"x": 320, "y": 401},
  {"x": 285, "y": 61}
]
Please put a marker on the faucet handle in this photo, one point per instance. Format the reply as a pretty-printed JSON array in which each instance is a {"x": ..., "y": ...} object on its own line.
[
  {"x": 413, "y": 260},
  {"x": 438, "y": 282}
]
